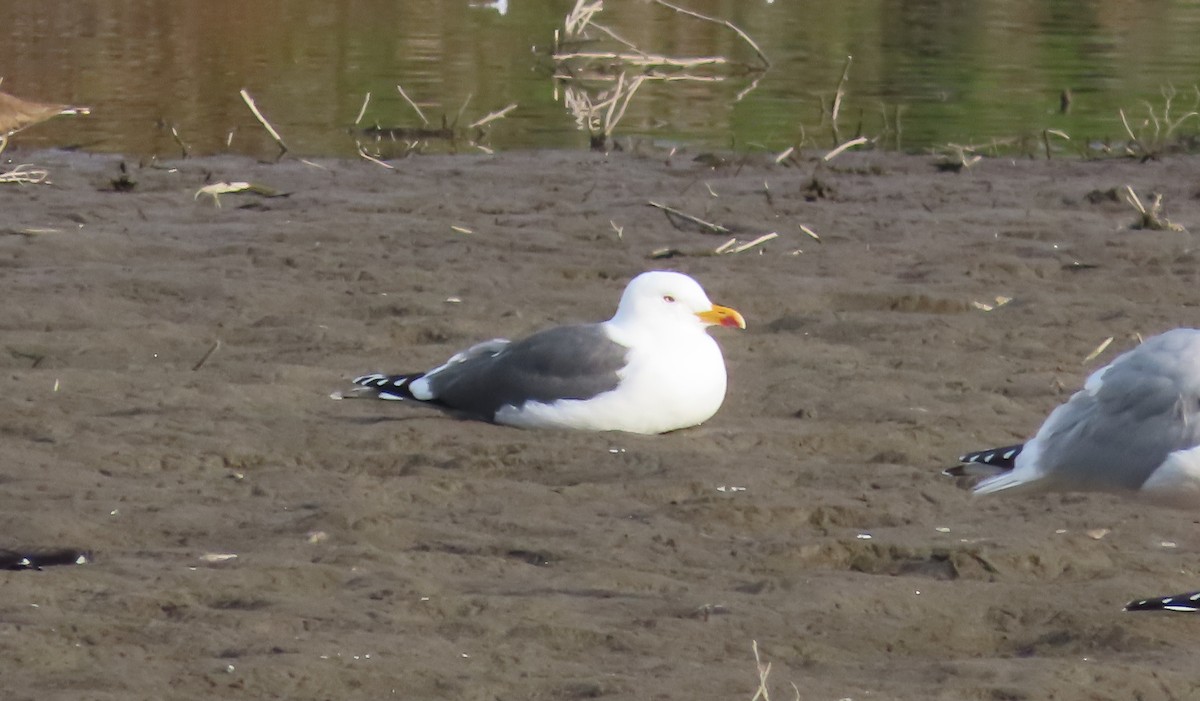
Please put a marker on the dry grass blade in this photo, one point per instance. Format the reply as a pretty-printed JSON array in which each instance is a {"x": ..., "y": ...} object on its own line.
[
  {"x": 641, "y": 59},
  {"x": 461, "y": 110},
  {"x": 363, "y": 153},
  {"x": 263, "y": 121},
  {"x": 579, "y": 16},
  {"x": 849, "y": 144},
  {"x": 1047, "y": 133},
  {"x": 363, "y": 110},
  {"x": 756, "y": 242},
  {"x": 1098, "y": 350},
  {"x": 498, "y": 114},
  {"x": 672, "y": 213},
  {"x": 837, "y": 100},
  {"x": 723, "y": 22},
  {"x": 184, "y": 150},
  {"x": 615, "y": 115},
  {"x": 1128, "y": 130},
  {"x": 412, "y": 104},
  {"x": 204, "y": 358},
  {"x": 616, "y": 37}
]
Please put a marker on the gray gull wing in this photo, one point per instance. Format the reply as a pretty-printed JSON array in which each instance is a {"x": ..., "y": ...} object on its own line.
[
  {"x": 564, "y": 362},
  {"x": 1132, "y": 418}
]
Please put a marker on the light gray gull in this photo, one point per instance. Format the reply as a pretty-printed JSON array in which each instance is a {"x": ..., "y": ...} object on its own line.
[
  {"x": 1133, "y": 430},
  {"x": 651, "y": 368}
]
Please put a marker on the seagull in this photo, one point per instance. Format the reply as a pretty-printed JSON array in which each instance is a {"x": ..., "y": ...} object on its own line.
[
  {"x": 650, "y": 369},
  {"x": 1134, "y": 429}
]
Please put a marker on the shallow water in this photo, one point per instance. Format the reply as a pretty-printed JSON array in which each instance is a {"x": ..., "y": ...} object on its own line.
[{"x": 956, "y": 72}]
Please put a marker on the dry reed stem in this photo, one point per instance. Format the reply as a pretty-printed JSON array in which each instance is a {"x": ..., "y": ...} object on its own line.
[
  {"x": 725, "y": 246},
  {"x": 363, "y": 110},
  {"x": 837, "y": 99},
  {"x": 412, "y": 104},
  {"x": 616, "y": 37},
  {"x": 641, "y": 59},
  {"x": 363, "y": 152},
  {"x": 183, "y": 148},
  {"x": 615, "y": 115},
  {"x": 25, "y": 174},
  {"x": 1097, "y": 351},
  {"x": 810, "y": 233},
  {"x": 599, "y": 77},
  {"x": 756, "y": 242},
  {"x": 263, "y": 120},
  {"x": 764, "y": 671},
  {"x": 748, "y": 89},
  {"x": 204, "y": 358},
  {"x": 849, "y": 144},
  {"x": 498, "y": 114},
  {"x": 708, "y": 226},
  {"x": 1128, "y": 130},
  {"x": 579, "y": 16},
  {"x": 462, "y": 109},
  {"x": 745, "y": 37},
  {"x": 1046, "y": 133}
]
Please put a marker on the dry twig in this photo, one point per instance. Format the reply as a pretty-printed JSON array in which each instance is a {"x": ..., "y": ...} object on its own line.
[
  {"x": 363, "y": 110},
  {"x": 849, "y": 144},
  {"x": 837, "y": 100},
  {"x": 412, "y": 104},
  {"x": 671, "y": 212},
  {"x": 498, "y": 114},
  {"x": 724, "y": 22},
  {"x": 263, "y": 121}
]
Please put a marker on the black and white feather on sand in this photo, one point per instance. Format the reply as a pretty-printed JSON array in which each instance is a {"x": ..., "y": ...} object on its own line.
[
  {"x": 37, "y": 558},
  {"x": 1179, "y": 603},
  {"x": 651, "y": 368}
]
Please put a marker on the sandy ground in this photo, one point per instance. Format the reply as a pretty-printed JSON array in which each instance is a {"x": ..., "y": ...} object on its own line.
[{"x": 384, "y": 550}]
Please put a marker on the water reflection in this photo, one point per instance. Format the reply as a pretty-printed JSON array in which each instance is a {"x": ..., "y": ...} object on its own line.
[{"x": 955, "y": 71}]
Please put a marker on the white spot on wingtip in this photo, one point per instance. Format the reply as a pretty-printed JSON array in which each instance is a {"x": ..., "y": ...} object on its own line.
[{"x": 336, "y": 395}]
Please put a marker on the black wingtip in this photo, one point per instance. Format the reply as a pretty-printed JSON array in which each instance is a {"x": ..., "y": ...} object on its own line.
[
  {"x": 1177, "y": 603},
  {"x": 37, "y": 559},
  {"x": 1000, "y": 458},
  {"x": 381, "y": 386}
]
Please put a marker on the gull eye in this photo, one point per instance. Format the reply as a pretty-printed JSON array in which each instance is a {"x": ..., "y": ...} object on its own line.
[{"x": 668, "y": 299}]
